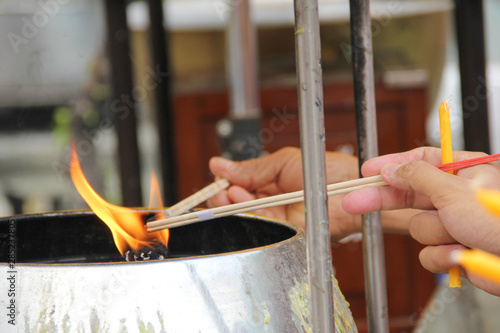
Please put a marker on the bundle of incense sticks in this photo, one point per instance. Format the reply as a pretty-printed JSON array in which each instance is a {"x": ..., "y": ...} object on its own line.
[
  {"x": 294, "y": 197},
  {"x": 197, "y": 198}
]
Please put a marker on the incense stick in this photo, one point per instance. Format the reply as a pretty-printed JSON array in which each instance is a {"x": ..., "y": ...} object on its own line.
[
  {"x": 468, "y": 163},
  {"x": 206, "y": 215},
  {"x": 197, "y": 198},
  {"x": 277, "y": 200},
  {"x": 294, "y": 197}
]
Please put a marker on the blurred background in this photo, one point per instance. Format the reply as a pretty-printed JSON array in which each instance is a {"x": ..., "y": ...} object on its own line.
[
  {"x": 55, "y": 78},
  {"x": 63, "y": 63}
]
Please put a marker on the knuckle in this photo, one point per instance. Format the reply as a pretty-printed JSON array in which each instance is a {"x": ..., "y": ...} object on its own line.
[
  {"x": 409, "y": 169},
  {"x": 236, "y": 168}
]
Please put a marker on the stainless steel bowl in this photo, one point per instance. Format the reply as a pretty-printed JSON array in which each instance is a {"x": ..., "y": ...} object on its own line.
[{"x": 238, "y": 274}]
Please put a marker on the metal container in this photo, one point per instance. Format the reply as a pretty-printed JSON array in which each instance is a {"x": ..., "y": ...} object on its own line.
[{"x": 237, "y": 274}]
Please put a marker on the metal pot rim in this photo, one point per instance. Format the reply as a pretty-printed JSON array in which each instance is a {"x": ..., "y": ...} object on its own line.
[{"x": 299, "y": 232}]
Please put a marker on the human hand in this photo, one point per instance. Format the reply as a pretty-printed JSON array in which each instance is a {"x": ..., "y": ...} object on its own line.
[
  {"x": 452, "y": 216},
  {"x": 281, "y": 172}
]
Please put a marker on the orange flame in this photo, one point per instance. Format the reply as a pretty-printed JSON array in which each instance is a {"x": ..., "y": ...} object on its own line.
[
  {"x": 155, "y": 197},
  {"x": 126, "y": 224}
]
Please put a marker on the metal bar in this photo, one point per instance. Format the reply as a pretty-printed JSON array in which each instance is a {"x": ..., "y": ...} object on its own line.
[
  {"x": 123, "y": 105},
  {"x": 471, "y": 51},
  {"x": 163, "y": 104},
  {"x": 312, "y": 137},
  {"x": 366, "y": 126},
  {"x": 239, "y": 133},
  {"x": 242, "y": 63}
]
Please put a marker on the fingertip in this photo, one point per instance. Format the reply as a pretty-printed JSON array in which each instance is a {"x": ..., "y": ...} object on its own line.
[
  {"x": 348, "y": 203},
  {"x": 374, "y": 165},
  {"x": 219, "y": 163},
  {"x": 438, "y": 259},
  {"x": 362, "y": 201},
  {"x": 223, "y": 168},
  {"x": 366, "y": 169},
  {"x": 220, "y": 199},
  {"x": 389, "y": 171},
  {"x": 213, "y": 161},
  {"x": 239, "y": 194}
]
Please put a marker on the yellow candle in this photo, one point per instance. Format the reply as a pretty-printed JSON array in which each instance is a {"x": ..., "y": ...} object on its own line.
[
  {"x": 480, "y": 263},
  {"x": 447, "y": 157},
  {"x": 445, "y": 131},
  {"x": 490, "y": 200}
]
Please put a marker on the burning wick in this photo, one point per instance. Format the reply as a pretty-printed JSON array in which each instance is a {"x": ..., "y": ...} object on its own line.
[
  {"x": 156, "y": 251},
  {"x": 126, "y": 224}
]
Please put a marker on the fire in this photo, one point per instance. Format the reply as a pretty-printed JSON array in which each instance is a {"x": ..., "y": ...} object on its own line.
[
  {"x": 127, "y": 226},
  {"x": 155, "y": 198}
]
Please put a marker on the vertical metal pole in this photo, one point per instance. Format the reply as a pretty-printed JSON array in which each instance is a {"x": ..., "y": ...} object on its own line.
[
  {"x": 242, "y": 63},
  {"x": 239, "y": 133},
  {"x": 471, "y": 53},
  {"x": 162, "y": 94},
  {"x": 366, "y": 126},
  {"x": 125, "y": 119},
  {"x": 312, "y": 137}
]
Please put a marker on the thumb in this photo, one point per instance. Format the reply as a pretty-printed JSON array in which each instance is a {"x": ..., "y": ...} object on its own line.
[
  {"x": 421, "y": 177},
  {"x": 255, "y": 173},
  {"x": 223, "y": 168}
]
